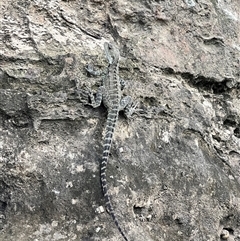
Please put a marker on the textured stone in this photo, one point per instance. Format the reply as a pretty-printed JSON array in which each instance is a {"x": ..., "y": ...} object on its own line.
[{"x": 174, "y": 169}]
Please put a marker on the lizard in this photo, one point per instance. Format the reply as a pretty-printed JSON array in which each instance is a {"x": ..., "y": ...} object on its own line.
[{"x": 110, "y": 93}]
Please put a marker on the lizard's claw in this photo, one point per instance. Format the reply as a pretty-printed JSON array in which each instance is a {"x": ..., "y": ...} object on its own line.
[{"x": 129, "y": 111}]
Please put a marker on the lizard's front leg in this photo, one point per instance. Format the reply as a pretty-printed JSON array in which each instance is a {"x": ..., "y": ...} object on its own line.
[{"x": 91, "y": 70}]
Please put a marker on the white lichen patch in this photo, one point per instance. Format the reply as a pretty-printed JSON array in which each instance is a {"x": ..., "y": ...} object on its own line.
[
  {"x": 166, "y": 137},
  {"x": 79, "y": 227},
  {"x": 56, "y": 191},
  {"x": 99, "y": 209},
  {"x": 69, "y": 184},
  {"x": 79, "y": 168},
  {"x": 98, "y": 229},
  {"x": 58, "y": 236},
  {"x": 121, "y": 149},
  {"x": 74, "y": 201},
  {"x": 54, "y": 223}
]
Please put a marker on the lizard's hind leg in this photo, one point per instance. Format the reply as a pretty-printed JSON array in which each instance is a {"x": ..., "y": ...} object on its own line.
[
  {"x": 86, "y": 93},
  {"x": 96, "y": 100},
  {"x": 127, "y": 105}
]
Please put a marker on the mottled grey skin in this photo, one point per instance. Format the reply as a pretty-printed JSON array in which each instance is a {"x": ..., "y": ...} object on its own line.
[{"x": 111, "y": 94}]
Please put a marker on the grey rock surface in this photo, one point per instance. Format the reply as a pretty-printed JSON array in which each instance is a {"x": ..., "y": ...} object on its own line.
[{"x": 174, "y": 169}]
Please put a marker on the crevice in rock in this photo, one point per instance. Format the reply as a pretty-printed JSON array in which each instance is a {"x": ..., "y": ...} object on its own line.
[{"x": 201, "y": 82}]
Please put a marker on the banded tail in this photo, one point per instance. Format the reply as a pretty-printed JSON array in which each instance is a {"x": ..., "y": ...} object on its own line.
[{"x": 110, "y": 126}]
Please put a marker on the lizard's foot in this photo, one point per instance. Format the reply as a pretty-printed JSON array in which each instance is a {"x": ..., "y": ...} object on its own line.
[
  {"x": 90, "y": 69},
  {"x": 128, "y": 106},
  {"x": 130, "y": 109}
]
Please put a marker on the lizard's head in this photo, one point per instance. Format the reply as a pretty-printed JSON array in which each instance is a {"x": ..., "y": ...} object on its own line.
[{"x": 112, "y": 53}]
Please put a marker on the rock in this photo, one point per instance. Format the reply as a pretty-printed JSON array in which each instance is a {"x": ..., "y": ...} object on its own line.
[{"x": 174, "y": 169}]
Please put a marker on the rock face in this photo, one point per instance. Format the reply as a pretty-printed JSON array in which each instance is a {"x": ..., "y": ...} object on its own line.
[{"x": 174, "y": 169}]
